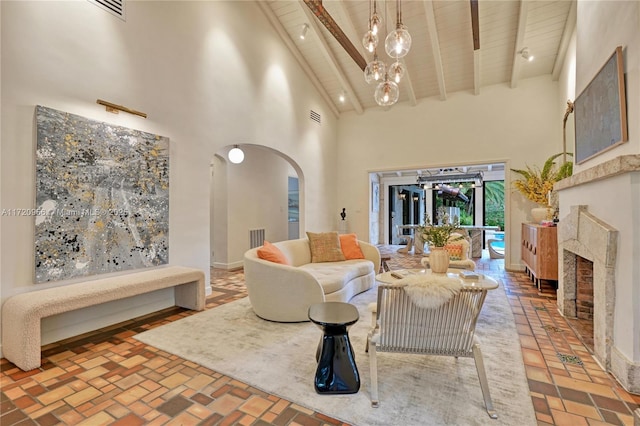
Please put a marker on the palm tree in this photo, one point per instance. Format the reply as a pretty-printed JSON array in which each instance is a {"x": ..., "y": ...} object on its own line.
[
  {"x": 494, "y": 192},
  {"x": 494, "y": 203}
]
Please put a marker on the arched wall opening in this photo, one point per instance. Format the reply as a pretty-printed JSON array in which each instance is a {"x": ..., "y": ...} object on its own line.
[{"x": 251, "y": 196}]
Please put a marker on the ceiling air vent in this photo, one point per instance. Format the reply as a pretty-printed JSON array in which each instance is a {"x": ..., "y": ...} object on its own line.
[
  {"x": 114, "y": 7},
  {"x": 315, "y": 116}
]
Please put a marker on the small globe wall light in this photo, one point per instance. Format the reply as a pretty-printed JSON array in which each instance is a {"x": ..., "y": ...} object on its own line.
[{"x": 236, "y": 155}]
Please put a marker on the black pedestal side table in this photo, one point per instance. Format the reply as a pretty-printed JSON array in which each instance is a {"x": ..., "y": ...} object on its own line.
[{"x": 337, "y": 372}]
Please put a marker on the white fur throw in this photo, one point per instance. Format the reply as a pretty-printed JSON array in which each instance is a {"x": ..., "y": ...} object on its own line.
[{"x": 430, "y": 291}]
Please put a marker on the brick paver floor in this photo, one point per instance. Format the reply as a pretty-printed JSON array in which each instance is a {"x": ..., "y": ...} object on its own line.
[{"x": 107, "y": 377}]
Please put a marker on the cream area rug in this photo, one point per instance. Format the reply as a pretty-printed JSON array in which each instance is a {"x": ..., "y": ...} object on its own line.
[{"x": 279, "y": 358}]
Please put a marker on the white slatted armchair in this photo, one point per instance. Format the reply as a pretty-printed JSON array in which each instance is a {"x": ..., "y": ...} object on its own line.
[{"x": 402, "y": 326}]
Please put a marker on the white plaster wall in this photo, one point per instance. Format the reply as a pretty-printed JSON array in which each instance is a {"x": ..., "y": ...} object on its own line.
[
  {"x": 600, "y": 27},
  {"x": 219, "y": 217},
  {"x": 374, "y": 216},
  {"x": 515, "y": 126},
  {"x": 204, "y": 82},
  {"x": 258, "y": 198},
  {"x": 567, "y": 91}
]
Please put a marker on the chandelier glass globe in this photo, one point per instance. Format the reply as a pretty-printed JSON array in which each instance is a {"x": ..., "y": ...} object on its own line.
[
  {"x": 396, "y": 71},
  {"x": 398, "y": 42},
  {"x": 376, "y": 23},
  {"x": 370, "y": 41},
  {"x": 375, "y": 70},
  {"x": 387, "y": 93}
]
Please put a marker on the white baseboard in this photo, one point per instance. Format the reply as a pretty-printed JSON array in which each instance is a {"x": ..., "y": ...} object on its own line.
[
  {"x": 514, "y": 267},
  {"x": 228, "y": 266}
]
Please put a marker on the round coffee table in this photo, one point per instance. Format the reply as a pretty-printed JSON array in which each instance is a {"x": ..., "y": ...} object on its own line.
[
  {"x": 474, "y": 279},
  {"x": 337, "y": 372}
]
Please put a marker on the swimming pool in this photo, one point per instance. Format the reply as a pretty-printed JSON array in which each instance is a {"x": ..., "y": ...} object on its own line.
[{"x": 498, "y": 245}]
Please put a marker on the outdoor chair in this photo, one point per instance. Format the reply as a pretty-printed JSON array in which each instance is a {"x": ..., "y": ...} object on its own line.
[
  {"x": 459, "y": 251},
  {"x": 409, "y": 238},
  {"x": 402, "y": 326},
  {"x": 496, "y": 252}
]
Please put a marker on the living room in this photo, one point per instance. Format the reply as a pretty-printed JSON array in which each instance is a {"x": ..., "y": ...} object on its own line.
[{"x": 196, "y": 69}]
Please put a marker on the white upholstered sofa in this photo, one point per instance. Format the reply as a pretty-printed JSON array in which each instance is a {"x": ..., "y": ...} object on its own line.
[{"x": 284, "y": 293}]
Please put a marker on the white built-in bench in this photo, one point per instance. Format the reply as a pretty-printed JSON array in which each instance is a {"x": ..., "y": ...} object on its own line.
[{"x": 21, "y": 314}]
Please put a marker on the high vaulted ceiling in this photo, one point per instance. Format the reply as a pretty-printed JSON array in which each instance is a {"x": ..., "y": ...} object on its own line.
[{"x": 443, "y": 58}]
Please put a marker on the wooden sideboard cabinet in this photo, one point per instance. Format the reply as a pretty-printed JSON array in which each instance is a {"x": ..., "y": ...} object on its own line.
[{"x": 540, "y": 252}]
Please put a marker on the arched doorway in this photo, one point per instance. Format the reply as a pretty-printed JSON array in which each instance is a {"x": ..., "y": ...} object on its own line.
[{"x": 252, "y": 201}]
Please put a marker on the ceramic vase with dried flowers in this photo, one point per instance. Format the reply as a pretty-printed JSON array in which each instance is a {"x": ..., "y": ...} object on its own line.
[
  {"x": 537, "y": 185},
  {"x": 438, "y": 236}
]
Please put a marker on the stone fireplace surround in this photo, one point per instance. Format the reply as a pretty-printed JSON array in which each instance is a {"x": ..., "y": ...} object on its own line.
[
  {"x": 582, "y": 234},
  {"x": 590, "y": 228}
]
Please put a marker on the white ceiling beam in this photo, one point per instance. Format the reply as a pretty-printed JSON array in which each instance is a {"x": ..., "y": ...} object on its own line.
[
  {"x": 476, "y": 72},
  {"x": 277, "y": 25},
  {"x": 569, "y": 27},
  {"x": 435, "y": 47},
  {"x": 406, "y": 82},
  {"x": 330, "y": 57},
  {"x": 339, "y": 12},
  {"x": 517, "y": 56},
  {"x": 475, "y": 30}
]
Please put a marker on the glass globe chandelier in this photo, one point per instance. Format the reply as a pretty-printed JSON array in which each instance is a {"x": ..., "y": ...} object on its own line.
[
  {"x": 387, "y": 92},
  {"x": 376, "y": 20},
  {"x": 397, "y": 44},
  {"x": 397, "y": 71},
  {"x": 370, "y": 41},
  {"x": 375, "y": 70}
]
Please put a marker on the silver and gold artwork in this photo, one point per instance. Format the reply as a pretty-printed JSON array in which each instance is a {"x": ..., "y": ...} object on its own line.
[{"x": 102, "y": 197}]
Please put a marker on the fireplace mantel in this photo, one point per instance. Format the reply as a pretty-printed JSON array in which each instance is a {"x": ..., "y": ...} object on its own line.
[{"x": 613, "y": 167}]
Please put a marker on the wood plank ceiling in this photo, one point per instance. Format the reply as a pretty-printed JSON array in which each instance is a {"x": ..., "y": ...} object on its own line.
[{"x": 442, "y": 59}]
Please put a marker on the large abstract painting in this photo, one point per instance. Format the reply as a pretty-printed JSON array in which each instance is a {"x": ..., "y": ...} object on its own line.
[
  {"x": 102, "y": 197},
  {"x": 600, "y": 111}
]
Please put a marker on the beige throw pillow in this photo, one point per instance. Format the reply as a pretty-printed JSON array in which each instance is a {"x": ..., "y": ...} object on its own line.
[{"x": 325, "y": 247}]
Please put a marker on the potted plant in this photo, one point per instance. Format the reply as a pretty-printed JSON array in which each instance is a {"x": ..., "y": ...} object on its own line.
[
  {"x": 537, "y": 184},
  {"x": 438, "y": 236}
]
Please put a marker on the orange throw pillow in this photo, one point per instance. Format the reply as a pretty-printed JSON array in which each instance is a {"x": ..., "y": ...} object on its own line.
[
  {"x": 272, "y": 253},
  {"x": 350, "y": 246}
]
